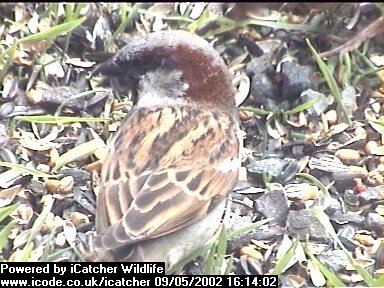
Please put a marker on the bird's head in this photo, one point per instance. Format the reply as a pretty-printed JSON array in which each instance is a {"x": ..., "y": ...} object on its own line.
[{"x": 173, "y": 66}]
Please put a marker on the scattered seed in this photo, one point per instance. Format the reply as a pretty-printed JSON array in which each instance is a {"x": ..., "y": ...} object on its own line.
[
  {"x": 366, "y": 240},
  {"x": 94, "y": 166},
  {"x": 347, "y": 154},
  {"x": 52, "y": 186},
  {"x": 251, "y": 252},
  {"x": 79, "y": 218},
  {"x": 331, "y": 117},
  {"x": 60, "y": 240}
]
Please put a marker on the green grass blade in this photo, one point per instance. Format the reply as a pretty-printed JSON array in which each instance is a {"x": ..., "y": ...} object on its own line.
[
  {"x": 205, "y": 18},
  {"x": 248, "y": 228},
  {"x": 193, "y": 255},
  {"x": 222, "y": 243},
  {"x": 27, "y": 171},
  {"x": 164, "y": 17},
  {"x": 47, "y": 248},
  {"x": 52, "y": 256},
  {"x": 50, "y": 119},
  {"x": 332, "y": 278},
  {"x": 54, "y": 31},
  {"x": 4, "y": 232},
  {"x": 217, "y": 255},
  {"x": 229, "y": 265},
  {"x": 368, "y": 279},
  {"x": 6, "y": 211},
  {"x": 39, "y": 222},
  {"x": 326, "y": 199},
  {"x": 55, "y": 256},
  {"x": 125, "y": 20},
  {"x": 225, "y": 24},
  {"x": 79, "y": 152},
  {"x": 281, "y": 25},
  {"x": 379, "y": 282},
  {"x": 346, "y": 77},
  {"x": 210, "y": 260},
  {"x": 9, "y": 53},
  {"x": 302, "y": 107},
  {"x": 324, "y": 220},
  {"x": 331, "y": 82},
  {"x": 283, "y": 261},
  {"x": 77, "y": 96},
  {"x": 27, "y": 251}
]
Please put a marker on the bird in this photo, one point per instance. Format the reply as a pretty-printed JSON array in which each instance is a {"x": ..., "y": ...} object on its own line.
[{"x": 175, "y": 157}]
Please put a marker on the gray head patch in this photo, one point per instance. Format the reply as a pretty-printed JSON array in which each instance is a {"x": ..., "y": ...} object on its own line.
[{"x": 161, "y": 86}]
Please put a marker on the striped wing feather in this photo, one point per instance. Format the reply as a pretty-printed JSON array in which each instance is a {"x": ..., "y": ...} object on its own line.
[{"x": 163, "y": 172}]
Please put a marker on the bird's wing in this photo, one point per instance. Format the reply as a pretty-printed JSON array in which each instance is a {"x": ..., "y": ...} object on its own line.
[{"x": 168, "y": 167}]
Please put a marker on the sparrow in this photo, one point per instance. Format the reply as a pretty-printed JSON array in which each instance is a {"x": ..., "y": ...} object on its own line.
[{"x": 175, "y": 157}]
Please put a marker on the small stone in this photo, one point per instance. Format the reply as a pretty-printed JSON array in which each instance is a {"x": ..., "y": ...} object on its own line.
[
  {"x": 375, "y": 222},
  {"x": 319, "y": 107},
  {"x": 335, "y": 259},
  {"x": 6, "y": 109},
  {"x": 371, "y": 195},
  {"x": 342, "y": 218},
  {"x": 349, "y": 96},
  {"x": 273, "y": 204},
  {"x": 297, "y": 78},
  {"x": 302, "y": 223}
]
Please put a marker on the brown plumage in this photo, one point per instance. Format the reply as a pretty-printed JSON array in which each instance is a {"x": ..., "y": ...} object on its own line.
[{"x": 175, "y": 157}]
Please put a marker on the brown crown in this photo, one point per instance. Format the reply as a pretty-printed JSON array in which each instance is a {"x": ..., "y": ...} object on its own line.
[{"x": 203, "y": 69}]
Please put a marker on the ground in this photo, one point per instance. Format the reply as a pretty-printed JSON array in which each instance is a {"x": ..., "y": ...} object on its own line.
[{"x": 310, "y": 93}]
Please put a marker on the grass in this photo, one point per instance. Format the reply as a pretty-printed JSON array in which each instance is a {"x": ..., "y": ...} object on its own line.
[
  {"x": 49, "y": 35},
  {"x": 332, "y": 84},
  {"x": 27, "y": 171},
  {"x": 6, "y": 229},
  {"x": 215, "y": 252},
  {"x": 51, "y": 119},
  {"x": 338, "y": 72}
]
